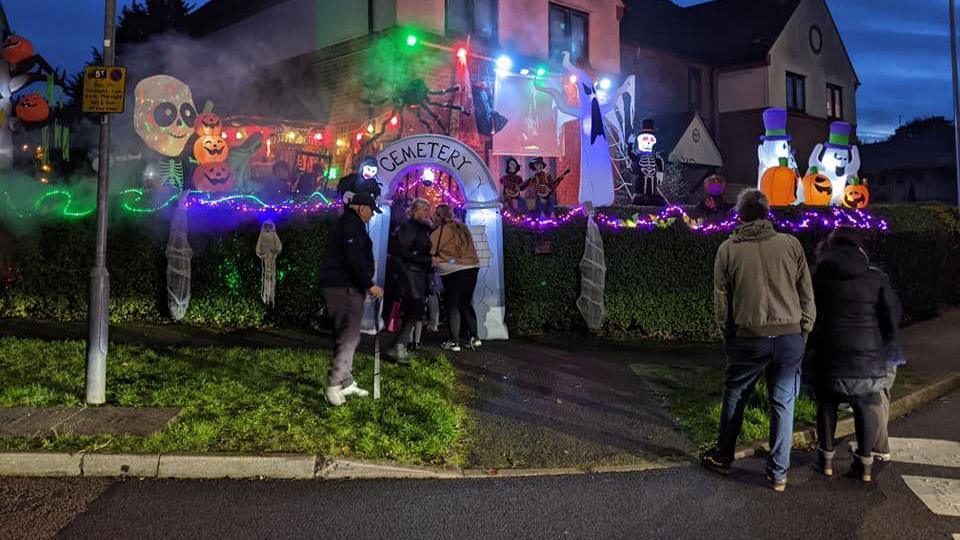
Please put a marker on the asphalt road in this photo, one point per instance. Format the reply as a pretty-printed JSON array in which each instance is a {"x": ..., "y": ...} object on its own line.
[{"x": 684, "y": 502}]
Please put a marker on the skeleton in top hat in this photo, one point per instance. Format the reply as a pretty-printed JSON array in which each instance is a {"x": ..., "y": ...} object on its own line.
[
  {"x": 647, "y": 166},
  {"x": 837, "y": 159}
]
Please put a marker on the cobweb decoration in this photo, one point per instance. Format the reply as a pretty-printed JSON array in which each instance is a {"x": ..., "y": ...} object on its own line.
[
  {"x": 268, "y": 247},
  {"x": 179, "y": 254},
  {"x": 593, "y": 272}
]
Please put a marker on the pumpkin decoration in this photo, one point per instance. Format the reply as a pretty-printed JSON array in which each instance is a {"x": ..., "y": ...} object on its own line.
[
  {"x": 208, "y": 123},
  {"x": 16, "y": 49},
  {"x": 856, "y": 195},
  {"x": 214, "y": 178},
  {"x": 210, "y": 149},
  {"x": 33, "y": 108},
  {"x": 779, "y": 184},
  {"x": 817, "y": 189}
]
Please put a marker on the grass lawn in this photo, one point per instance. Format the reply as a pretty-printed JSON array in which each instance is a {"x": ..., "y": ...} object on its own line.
[{"x": 242, "y": 400}]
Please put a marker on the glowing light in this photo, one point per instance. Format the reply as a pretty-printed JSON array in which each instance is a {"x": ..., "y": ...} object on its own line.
[
  {"x": 462, "y": 55},
  {"x": 44, "y": 181},
  {"x": 341, "y": 142},
  {"x": 333, "y": 172},
  {"x": 395, "y": 121},
  {"x": 605, "y": 83},
  {"x": 318, "y": 136},
  {"x": 504, "y": 63},
  {"x": 524, "y": 71},
  {"x": 359, "y": 137},
  {"x": 223, "y": 135},
  {"x": 240, "y": 135},
  {"x": 573, "y": 79},
  {"x": 26, "y": 147},
  {"x": 429, "y": 177},
  {"x": 45, "y": 168},
  {"x": 370, "y": 128},
  {"x": 291, "y": 136},
  {"x": 411, "y": 40},
  {"x": 541, "y": 71}
]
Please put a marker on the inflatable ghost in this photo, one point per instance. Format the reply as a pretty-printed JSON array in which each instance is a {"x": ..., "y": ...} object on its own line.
[
  {"x": 164, "y": 114},
  {"x": 596, "y": 169},
  {"x": 836, "y": 159},
  {"x": 774, "y": 152}
]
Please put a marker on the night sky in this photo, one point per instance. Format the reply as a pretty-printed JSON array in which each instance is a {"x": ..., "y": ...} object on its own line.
[{"x": 901, "y": 50}]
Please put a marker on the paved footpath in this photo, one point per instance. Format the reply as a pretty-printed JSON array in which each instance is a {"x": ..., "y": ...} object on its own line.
[{"x": 679, "y": 503}]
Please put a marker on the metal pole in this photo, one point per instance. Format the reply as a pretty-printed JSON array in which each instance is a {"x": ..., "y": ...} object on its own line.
[
  {"x": 956, "y": 94},
  {"x": 99, "y": 278}
]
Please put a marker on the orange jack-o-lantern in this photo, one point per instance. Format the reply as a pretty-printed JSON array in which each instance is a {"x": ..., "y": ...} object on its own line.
[
  {"x": 33, "y": 108},
  {"x": 16, "y": 49},
  {"x": 210, "y": 149},
  {"x": 779, "y": 184},
  {"x": 856, "y": 196},
  {"x": 214, "y": 178},
  {"x": 817, "y": 189},
  {"x": 208, "y": 123}
]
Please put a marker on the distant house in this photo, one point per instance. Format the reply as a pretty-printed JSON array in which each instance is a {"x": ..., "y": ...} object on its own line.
[
  {"x": 915, "y": 165},
  {"x": 728, "y": 60}
]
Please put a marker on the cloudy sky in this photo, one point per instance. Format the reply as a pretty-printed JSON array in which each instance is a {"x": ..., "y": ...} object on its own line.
[{"x": 901, "y": 50}]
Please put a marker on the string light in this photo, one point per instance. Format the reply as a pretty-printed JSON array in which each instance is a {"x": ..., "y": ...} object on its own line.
[
  {"x": 395, "y": 121},
  {"x": 462, "y": 55}
]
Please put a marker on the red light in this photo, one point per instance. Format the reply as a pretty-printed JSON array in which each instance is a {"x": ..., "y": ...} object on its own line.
[
  {"x": 318, "y": 136},
  {"x": 359, "y": 137},
  {"x": 395, "y": 121},
  {"x": 462, "y": 55}
]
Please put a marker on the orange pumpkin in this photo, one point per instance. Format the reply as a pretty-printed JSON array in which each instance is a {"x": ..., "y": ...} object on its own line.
[
  {"x": 856, "y": 196},
  {"x": 16, "y": 49},
  {"x": 779, "y": 184},
  {"x": 210, "y": 149},
  {"x": 33, "y": 108},
  {"x": 817, "y": 189},
  {"x": 214, "y": 178},
  {"x": 208, "y": 123}
]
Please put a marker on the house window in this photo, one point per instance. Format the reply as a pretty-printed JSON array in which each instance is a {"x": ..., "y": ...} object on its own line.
[
  {"x": 476, "y": 18},
  {"x": 568, "y": 32},
  {"x": 796, "y": 92},
  {"x": 694, "y": 88},
  {"x": 834, "y": 102}
]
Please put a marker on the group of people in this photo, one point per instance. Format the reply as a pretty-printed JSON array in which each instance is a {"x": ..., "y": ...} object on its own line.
[
  {"x": 837, "y": 323},
  {"x": 540, "y": 187},
  {"x": 431, "y": 255}
]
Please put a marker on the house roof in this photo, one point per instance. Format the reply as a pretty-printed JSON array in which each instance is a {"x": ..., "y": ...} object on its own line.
[
  {"x": 933, "y": 149},
  {"x": 721, "y": 32}
]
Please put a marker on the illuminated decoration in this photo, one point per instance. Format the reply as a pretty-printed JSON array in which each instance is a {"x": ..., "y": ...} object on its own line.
[
  {"x": 214, "y": 177},
  {"x": 21, "y": 67},
  {"x": 238, "y": 135},
  {"x": 179, "y": 254},
  {"x": 210, "y": 149},
  {"x": 318, "y": 137},
  {"x": 779, "y": 184},
  {"x": 572, "y": 79},
  {"x": 428, "y": 177},
  {"x": 541, "y": 71},
  {"x": 16, "y": 49},
  {"x": 462, "y": 55},
  {"x": 208, "y": 123},
  {"x": 333, "y": 173},
  {"x": 32, "y": 109},
  {"x": 715, "y": 185},
  {"x": 341, "y": 142},
  {"x": 777, "y": 174},
  {"x": 838, "y": 160},
  {"x": 524, "y": 71},
  {"x": 394, "y": 120},
  {"x": 426, "y": 186},
  {"x": 164, "y": 114},
  {"x": 504, "y": 64},
  {"x": 223, "y": 135},
  {"x": 359, "y": 137},
  {"x": 856, "y": 195},
  {"x": 412, "y": 40},
  {"x": 605, "y": 84},
  {"x": 648, "y": 167},
  {"x": 370, "y": 128},
  {"x": 817, "y": 190},
  {"x": 268, "y": 248},
  {"x": 596, "y": 169}
]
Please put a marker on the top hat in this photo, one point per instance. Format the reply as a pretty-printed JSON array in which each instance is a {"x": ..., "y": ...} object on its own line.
[
  {"x": 839, "y": 136},
  {"x": 775, "y": 122},
  {"x": 648, "y": 126},
  {"x": 537, "y": 161}
]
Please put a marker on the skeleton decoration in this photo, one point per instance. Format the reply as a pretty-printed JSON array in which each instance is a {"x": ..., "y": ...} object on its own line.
[
  {"x": 593, "y": 272},
  {"x": 268, "y": 247},
  {"x": 648, "y": 167},
  {"x": 837, "y": 159},
  {"x": 164, "y": 116},
  {"x": 596, "y": 171},
  {"x": 179, "y": 254}
]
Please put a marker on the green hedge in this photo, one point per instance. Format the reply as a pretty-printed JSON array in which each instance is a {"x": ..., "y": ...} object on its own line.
[{"x": 659, "y": 284}]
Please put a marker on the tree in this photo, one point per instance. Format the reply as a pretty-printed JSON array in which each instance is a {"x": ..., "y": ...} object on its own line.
[
  {"x": 918, "y": 126},
  {"x": 141, "y": 21},
  {"x": 74, "y": 90}
]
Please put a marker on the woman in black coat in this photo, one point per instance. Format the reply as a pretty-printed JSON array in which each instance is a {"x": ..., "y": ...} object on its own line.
[
  {"x": 411, "y": 265},
  {"x": 857, "y": 317}
]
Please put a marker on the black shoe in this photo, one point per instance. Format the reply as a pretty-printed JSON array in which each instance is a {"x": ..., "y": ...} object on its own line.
[
  {"x": 713, "y": 463},
  {"x": 411, "y": 347},
  {"x": 777, "y": 485}
]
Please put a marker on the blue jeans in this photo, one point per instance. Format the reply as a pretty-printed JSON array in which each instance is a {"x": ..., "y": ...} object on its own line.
[{"x": 778, "y": 357}]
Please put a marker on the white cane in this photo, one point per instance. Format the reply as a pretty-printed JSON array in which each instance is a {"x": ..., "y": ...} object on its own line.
[{"x": 376, "y": 349}]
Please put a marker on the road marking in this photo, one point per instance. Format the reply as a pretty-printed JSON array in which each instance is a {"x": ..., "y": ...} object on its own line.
[
  {"x": 926, "y": 451},
  {"x": 941, "y": 495}
]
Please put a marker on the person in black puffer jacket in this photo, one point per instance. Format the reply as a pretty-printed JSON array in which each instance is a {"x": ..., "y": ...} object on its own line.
[
  {"x": 411, "y": 265},
  {"x": 858, "y": 315}
]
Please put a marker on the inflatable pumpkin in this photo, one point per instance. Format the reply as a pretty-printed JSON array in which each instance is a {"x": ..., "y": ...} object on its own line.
[
  {"x": 856, "y": 196},
  {"x": 779, "y": 184},
  {"x": 214, "y": 178},
  {"x": 817, "y": 189},
  {"x": 210, "y": 149},
  {"x": 33, "y": 108},
  {"x": 208, "y": 123},
  {"x": 16, "y": 49}
]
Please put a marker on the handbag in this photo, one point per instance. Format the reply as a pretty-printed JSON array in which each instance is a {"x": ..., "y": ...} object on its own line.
[{"x": 394, "y": 320}]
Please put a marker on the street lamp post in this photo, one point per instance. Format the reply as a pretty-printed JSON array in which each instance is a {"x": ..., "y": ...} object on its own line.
[
  {"x": 99, "y": 278},
  {"x": 956, "y": 94}
]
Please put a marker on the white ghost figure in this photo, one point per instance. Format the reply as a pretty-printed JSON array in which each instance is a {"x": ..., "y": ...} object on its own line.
[
  {"x": 164, "y": 114},
  {"x": 836, "y": 159},
  {"x": 596, "y": 169},
  {"x": 268, "y": 247}
]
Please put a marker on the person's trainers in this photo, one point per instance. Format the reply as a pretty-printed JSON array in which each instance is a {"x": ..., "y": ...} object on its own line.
[
  {"x": 711, "y": 462},
  {"x": 778, "y": 485},
  {"x": 354, "y": 390},
  {"x": 399, "y": 354},
  {"x": 334, "y": 395},
  {"x": 476, "y": 343},
  {"x": 825, "y": 462},
  {"x": 451, "y": 346}
]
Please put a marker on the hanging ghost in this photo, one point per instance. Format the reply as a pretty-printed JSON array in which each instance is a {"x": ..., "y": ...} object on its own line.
[
  {"x": 179, "y": 255},
  {"x": 838, "y": 160},
  {"x": 596, "y": 169},
  {"x": 268, "y": 247},
  {"x": 593, "y": 276}
]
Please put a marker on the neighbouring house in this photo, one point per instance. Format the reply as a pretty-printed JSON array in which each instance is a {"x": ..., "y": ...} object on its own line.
[
  {"x": 917, "y": 164},
  {"x": 728, "y": 60}
]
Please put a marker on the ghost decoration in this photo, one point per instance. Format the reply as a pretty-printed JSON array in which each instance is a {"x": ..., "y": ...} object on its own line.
[
  {"x": 179, "y": 254},
  {"x": 268, "y": 247},
  {"x": 593, "y": 276},
  {"x": 777, "y": 173},
  {"x": 596, "y": 169},
  {"x": 838, "y": 160},
  {"x": 164, "y": 114}
]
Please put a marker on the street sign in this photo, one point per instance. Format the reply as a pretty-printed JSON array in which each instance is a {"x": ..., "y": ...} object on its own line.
[{"x": 103, "y": 89}]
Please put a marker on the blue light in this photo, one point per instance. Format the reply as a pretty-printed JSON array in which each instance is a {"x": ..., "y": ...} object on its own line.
[{"x": 504, "y": 63}]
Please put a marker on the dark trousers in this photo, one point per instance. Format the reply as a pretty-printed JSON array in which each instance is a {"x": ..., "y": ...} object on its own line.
[
  {"x": 346, "y": 309},
  {"x": 413, "y": 311},
  {"x": 458, "y": 290},
  {"x": 779, "y": 358},
  {"x": 866, "y": 418}
]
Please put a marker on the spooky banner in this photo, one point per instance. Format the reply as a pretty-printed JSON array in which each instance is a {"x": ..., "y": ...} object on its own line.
[{"x": 532, "y": 129}]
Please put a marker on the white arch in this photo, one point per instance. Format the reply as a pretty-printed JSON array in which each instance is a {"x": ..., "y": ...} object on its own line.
[{"x": 483, "y": 215}]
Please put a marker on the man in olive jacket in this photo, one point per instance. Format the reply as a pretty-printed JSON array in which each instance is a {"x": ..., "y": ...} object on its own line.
[{"x": 765, "y": 311}]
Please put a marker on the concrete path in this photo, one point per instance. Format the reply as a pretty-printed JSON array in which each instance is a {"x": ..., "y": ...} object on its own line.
[{"x": 37, "y": 422}]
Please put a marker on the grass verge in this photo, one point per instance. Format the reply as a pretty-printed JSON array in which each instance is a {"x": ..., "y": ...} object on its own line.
[{"x": 242, "y": 400}]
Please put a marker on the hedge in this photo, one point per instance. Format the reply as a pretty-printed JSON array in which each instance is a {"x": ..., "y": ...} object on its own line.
[{"x": 659, "y": 284}]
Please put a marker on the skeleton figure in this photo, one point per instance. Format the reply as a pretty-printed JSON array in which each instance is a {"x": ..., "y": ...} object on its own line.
[
  {"x": 163, "y": 117},
  {"x": 268, "y": 247}
]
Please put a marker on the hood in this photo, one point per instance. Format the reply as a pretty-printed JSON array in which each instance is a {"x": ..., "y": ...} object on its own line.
[
  {"x": 753, "y": 231},
  {"x": 843, "y": 261}
]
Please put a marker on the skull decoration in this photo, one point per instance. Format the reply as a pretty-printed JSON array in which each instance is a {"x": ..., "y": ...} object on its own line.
[
  {"x": 210, "y": 149},
  {"x": 33, "y": 108},
  {"x": 214, "y": 177},
  {"x": 16, "y": 49},
  {"x": 164, "y": 114}
]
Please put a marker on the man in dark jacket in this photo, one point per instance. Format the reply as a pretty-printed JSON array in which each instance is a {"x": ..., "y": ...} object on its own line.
[
  {"x": 765, "y": 310},
  {"x": 858, "y": 318},
  {"x": 346, "y": 277}
]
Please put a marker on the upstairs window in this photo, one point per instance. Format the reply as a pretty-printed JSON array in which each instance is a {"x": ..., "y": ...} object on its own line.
[
  {"x": 476, "y": 18},
  {"x": 834, "y": 102},
  {"x": 568, "y": 33},
  {"x": 796, "y": 92}
]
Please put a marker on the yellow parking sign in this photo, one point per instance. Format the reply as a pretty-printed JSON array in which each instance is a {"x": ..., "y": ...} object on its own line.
[{"x": 103, "y": 89}]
